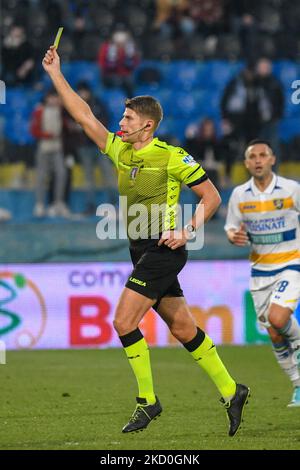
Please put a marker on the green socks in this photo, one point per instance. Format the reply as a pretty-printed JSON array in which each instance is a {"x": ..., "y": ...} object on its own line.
[
  {"x": 201, "y": 348},
  {"x": 138, "y": 355},
  {"x": 205, "y": 354}
]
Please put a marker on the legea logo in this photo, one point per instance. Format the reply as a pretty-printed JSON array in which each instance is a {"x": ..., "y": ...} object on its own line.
[{"x": 22, "y": 311}]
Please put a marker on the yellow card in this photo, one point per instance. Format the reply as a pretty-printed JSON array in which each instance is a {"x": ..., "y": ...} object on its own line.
[{"x": 58, "y": 36}]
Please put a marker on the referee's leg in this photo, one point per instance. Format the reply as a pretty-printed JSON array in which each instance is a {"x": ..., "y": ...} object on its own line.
[
  {"x": 175, "y": 312},
  {"x": 131, "y": 308}
]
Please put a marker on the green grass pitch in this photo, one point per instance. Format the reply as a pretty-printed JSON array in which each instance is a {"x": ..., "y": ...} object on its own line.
[{"x": 81, "y": 399}]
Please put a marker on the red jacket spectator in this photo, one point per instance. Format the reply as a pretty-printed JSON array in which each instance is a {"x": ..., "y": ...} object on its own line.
[
  {"x": 118, "y": 56},
  {"x": 118, "y": 59}
]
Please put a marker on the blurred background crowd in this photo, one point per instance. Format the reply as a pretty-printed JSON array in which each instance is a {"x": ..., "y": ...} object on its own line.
[{"x": 222, "y": 69}]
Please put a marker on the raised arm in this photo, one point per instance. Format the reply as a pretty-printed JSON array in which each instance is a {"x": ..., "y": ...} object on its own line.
[{"x": 75, "y": 105}]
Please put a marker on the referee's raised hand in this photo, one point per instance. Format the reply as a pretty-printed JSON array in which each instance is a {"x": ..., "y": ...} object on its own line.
[{"x": 51, "y": 61}]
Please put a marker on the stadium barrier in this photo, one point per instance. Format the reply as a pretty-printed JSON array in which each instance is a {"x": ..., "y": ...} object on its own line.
[{"x": 71, "y": 305}]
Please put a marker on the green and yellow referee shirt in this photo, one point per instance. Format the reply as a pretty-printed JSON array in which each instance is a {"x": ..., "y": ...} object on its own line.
[{"x": 152, "y": 176}]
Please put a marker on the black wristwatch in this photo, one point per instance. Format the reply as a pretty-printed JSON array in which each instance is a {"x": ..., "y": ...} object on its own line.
[{"x": 191, "y": 231}]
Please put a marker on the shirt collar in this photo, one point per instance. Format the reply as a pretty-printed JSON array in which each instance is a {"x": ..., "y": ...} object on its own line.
[
  {"x": 268, "y": 190},
  {"x": 147, "y": 147}
]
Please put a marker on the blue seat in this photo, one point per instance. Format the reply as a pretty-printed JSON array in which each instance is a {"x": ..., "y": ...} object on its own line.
[
  {"x": 187, "y": 75},
  {"x": 286, "y": 71},
  {"x": 291, "y": 109},
  {"x": 221, "y": 72},
  {"x": 185, "y": 104},
  {"x": 17, "y": 130},
  {"x": 194, "y": 104},
  {"x": 114, "y": 123},
  {"x": 165, "y": 97},
  {"x": 34, "y": 97},
  {"x": 184, "y": 75},
  {"x": 289, "y": 128},
  {"x": 166, "y": 127},
  {"x": 147, "y": 89},
  {"x": 173, "y": 127},
  {"x": 15, "y": 95},
  {"x": 114, "y": 100},
  {"x": 20, "y": 102},
  {"x": 76, "y": 72},
  {"x": 84, "y": 72}
]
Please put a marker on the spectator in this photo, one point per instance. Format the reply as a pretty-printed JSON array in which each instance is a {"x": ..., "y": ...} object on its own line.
[
  {"x": 207, "y": 15},
  {"x": 240, "y": 106},
  {"x": 172, "y": 18},
  {"x": 46, "y": 127},
  {"x": 245, "y": 25},
  {"x": 271, "y": 104},
  {"x": 89, "y": 155},
  {"x": 230, "y": 149},
  {"x": 18, "y": 58},
  {"x": 118, "y": 58},
  {"x": 203, "y": 145},
  {"x": 69, "y": 152}
]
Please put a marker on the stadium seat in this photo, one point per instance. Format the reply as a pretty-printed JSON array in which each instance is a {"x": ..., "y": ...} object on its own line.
[
  {"x": 114, "y": 100},
  {"x": 221, "y": 72},
  {"x": 184, "y": 75},
  {"x": 147, "y": 89},
  {"x": 86, "y": 72},
  {"x": 286, "y": 71},
  {"x": 16, "y": 129},
  {"x": 291, "y": 109},
  {"x": 289, "y": 127}
]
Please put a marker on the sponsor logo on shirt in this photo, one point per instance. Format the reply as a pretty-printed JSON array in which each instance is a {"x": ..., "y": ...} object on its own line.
[
  {"x": 278, "y": 203},
  {"x": 266, "y": 225},
  {"x": 188, "y": 159}
]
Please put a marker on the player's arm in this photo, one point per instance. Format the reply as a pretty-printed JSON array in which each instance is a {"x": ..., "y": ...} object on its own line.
[
  {"x": 74, "y": 104},
  {"x": 238, "y": 236},
  {"x": 296, "y": 197},
  {"x": 235, "y": 228}
]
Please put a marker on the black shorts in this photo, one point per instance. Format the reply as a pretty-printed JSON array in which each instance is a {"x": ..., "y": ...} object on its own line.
[{"x": 156, "y": 269}]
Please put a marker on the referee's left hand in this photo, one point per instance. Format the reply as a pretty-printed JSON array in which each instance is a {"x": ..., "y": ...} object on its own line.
[{"x": 173, "y": 239}]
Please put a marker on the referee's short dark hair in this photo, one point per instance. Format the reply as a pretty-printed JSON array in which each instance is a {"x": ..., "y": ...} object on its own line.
[{"x": 146, "y": 106}]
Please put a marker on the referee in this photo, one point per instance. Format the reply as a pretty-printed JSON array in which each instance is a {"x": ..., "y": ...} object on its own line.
[{"x": 150, "y": 172}]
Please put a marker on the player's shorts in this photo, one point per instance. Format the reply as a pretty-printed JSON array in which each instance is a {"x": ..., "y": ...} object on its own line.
[
  {"x": 156, "y": 269},
  {"x": 282, "y": 289}
]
